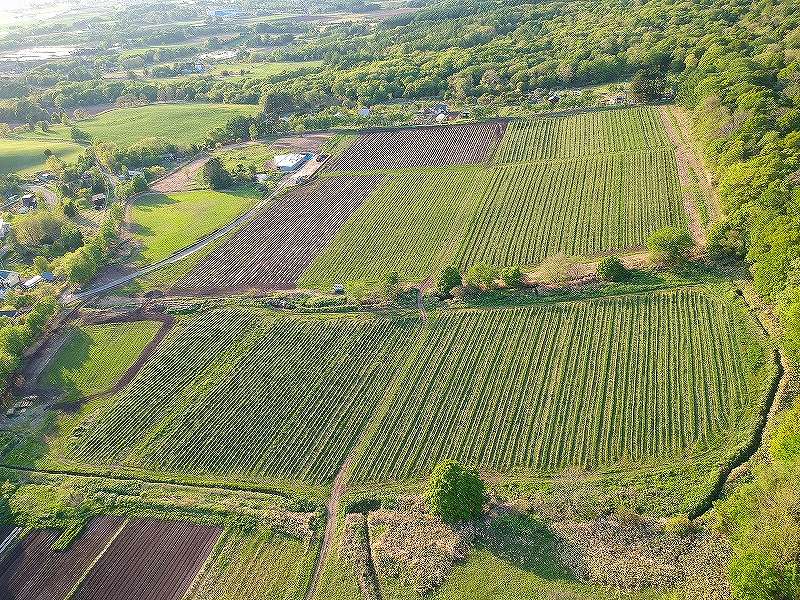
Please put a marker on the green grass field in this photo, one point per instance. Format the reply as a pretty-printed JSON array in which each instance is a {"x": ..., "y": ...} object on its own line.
[
  {"x": 646, "y": 381},
  {"x": 95, "y": 357},
  {"x": 254, "y": 565},
  {"x": 26, "y": 156},
  {"x": 259, "y": 156},
  {"x": 181, "y": 124},
  {"x": 164, "y": 224}
]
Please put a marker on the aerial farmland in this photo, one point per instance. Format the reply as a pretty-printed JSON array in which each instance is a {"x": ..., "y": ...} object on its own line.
[{"x": 399, "y": 301}]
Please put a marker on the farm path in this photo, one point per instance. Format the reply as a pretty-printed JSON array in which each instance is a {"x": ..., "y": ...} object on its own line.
[
  {"x": 686, "y": 160},
  {"x": 181, "y": 254}
]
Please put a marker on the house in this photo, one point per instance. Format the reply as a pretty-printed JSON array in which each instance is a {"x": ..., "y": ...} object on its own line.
[
  {"x": 29, "y": 201},
  {"x": 363, "y": 112},
  {"x": 616, "y": 100},
  {"x": 9, "y": 279},
  {"x": 32, "y": 282},
  {"x": 99, "y": 201},
  {"x": 338, "y": 288},
  {"x": 554, "y": 99},
  {"x": 4, "y": 228},
  {"x": 263, "y": 177},
  {"x": 48, "y": 276},
  {"x": 290, "y": 162},
  {"x": 440, "y": 108}
]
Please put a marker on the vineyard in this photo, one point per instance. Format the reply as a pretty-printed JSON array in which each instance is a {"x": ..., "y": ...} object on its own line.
[
  {"x": 641, "y": 378},
  {"x": 673, "y": 375},
  {"x": 579, "y": 135},
  {"x": 413, "y": 224},
  {"x": 95, "y": 356},
  {"x": 420, "y": 147},
  {"x": 250, "y": 393},
  {"x": 272, "y": 250},
  {"x": 257, "y": 565},
  {"x": 576, "y": 207}
]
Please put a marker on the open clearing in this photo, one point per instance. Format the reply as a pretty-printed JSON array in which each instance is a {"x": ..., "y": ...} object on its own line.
[
  {"x": 95, "y": 357},
  {"x": 673, "y": 381},
  {"x": 181, "y": 124},
  {"x": 26, "y": 156},
  {"x": 166, "y": 223}
]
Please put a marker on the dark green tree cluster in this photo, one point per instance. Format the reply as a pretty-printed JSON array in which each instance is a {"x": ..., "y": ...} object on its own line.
[
  {"x": 213, "y": 175},
  {"x": 455, "y": 493}
]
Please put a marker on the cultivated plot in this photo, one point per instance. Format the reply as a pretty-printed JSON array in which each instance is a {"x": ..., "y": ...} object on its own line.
[
  {"x": 149, "y": 560},
  {"x": 32, "y": 570},
  {"x": 579, "y": 135},
  {"x": 413, "y": 224},
  {"x": 251, "y": 394},
  {"x": 420, "y": 147},
  {"x": 248, "y": 394},
  {"x": 272, "y": 250},
  {"x": 642, "y": 378},
  {"x": 575, "y": 207}
]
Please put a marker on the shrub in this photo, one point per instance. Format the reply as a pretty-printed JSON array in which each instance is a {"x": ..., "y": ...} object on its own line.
[
  {"x": 455, "y": 493},
  {"x": 678, "y": 525},
  {"x": 512, "y": 276},
  {"x": 480, "y": 275},
  {"x": 755, "y": 576},
  {"x": 449, "y": 278},
  {"x": 390, "y": 285},
  {"x": 670, "y": 245},
  {"x": 610, "y": 268}
]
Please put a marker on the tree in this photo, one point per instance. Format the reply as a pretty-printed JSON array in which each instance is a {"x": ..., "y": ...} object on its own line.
[
  {"x": 512, "y": 276},
  {"x": 670, "y": 245},
  {"x": 648, "y": 85},
  {"x": 390, "y": 284},
  {"x": 213, "y": 175},
  {"x": 610, "y": 268},
  {"x": 449, "y": 278},
  {"x": 481, "y": 275},
  {"x": 455, "y": 493}
]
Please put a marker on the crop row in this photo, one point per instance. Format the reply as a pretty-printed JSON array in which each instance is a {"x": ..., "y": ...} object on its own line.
[
  {"x": 471, "y": 143},
  {"x": 603, "y": 132},
  {"x": 273, "y": 249},
  {"x": 253, "y": 566},
  {"x": 413, "y": 224},
  {"x": 575, "y": 207},
  {"x": 591, "y": 383},
  {"x": 250, "y": 393}
]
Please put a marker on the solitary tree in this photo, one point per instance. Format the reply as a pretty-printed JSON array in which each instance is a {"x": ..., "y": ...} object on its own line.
[
  {"x": 670, "y": 245},
  {"x": 213, "y": 175},
  {"x": 481, "y": 275},
  {"x": 512, "y": 276},
  {"x": 455, "y": 493}
]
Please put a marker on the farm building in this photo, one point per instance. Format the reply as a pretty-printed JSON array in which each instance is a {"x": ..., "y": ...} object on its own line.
[
  {"x": 29, "y": 201},
  {"x": 9, "y": 279},
  {"x": 37, "y": 279},
  {"x": 290, "y": 162}
]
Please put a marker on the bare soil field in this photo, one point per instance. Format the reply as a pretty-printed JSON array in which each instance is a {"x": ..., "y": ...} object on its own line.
[
  {"x": 437, "y": 146},
  {"x": 182, "y": 179},
  {"x": 302, "y": 142},
  {"x": 149, "y": 560},
  {"x": 275, "y": 248},
  {"x": 33, "y": 571}
]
